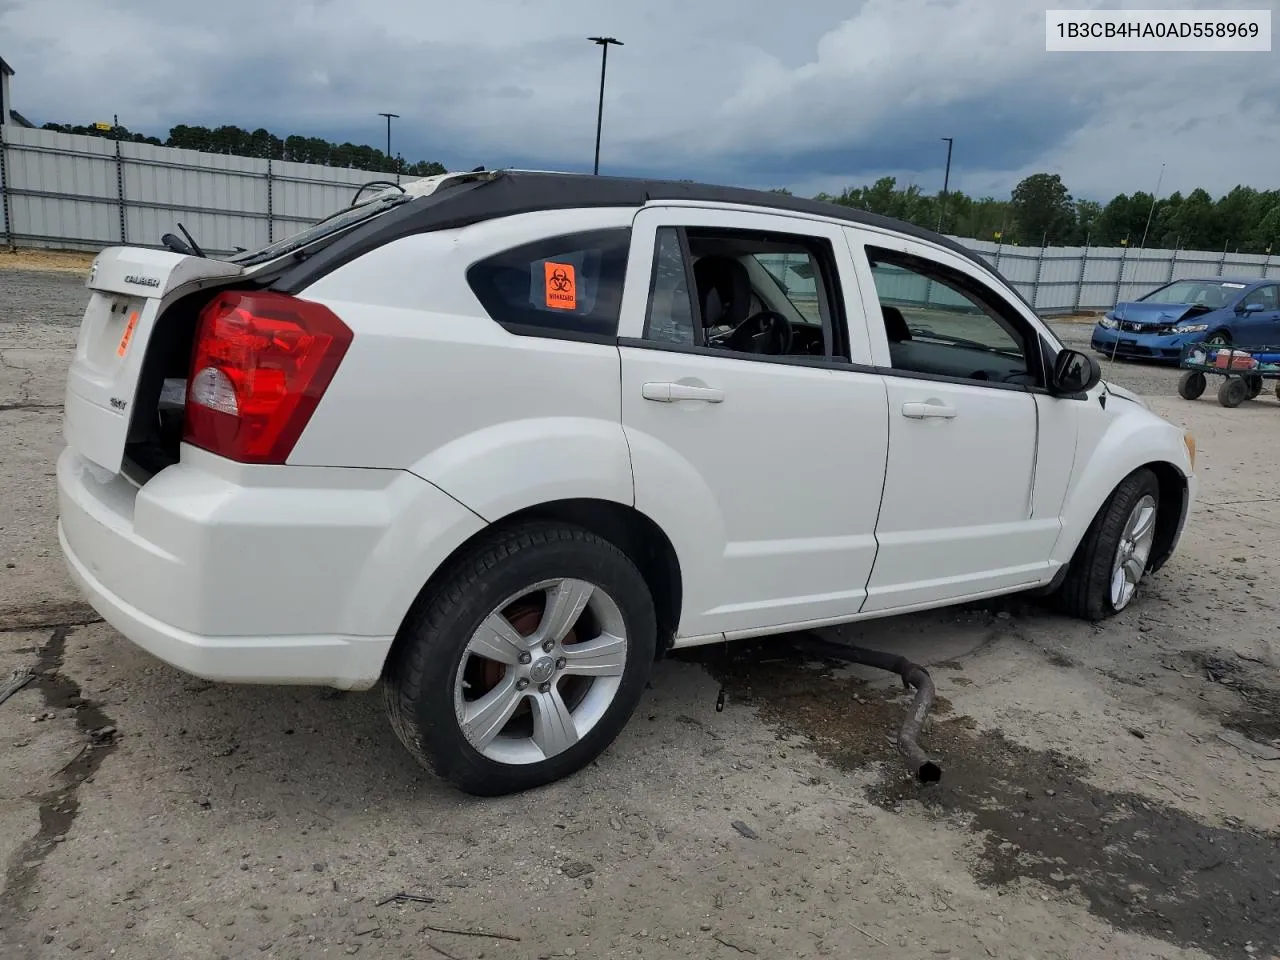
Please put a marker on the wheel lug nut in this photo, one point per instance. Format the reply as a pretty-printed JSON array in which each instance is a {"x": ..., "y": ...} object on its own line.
[
  {"x": 548, "y": 645},
  {"x": 561, "y": 663},
  {"x": 522, "y": 683},
  {"x": 525, "y": 657},
  {"x": 544, "y": 688}
]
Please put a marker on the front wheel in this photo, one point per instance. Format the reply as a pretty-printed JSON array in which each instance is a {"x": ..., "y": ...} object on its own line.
[
  {"x": 525, "y": 662},
  {"x": 1112, "y": 559}
]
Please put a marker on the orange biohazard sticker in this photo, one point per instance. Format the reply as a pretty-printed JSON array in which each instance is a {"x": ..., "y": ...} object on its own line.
[
  {"x": 561, "y": 286},
  {"x": 128, "y": 334}
]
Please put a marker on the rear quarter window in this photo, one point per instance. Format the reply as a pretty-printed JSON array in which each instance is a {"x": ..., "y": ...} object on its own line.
[{"x": 569, "y": 284}]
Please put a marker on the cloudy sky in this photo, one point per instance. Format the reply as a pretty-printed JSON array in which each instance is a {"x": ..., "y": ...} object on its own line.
[{"x": 814, "y": 95}]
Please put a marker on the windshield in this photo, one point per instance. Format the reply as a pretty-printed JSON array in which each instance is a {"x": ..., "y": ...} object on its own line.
[
  {"x": 1208, "y": 293},
  {"x": 796, "y": 277},
  {"x": 334, "y": 223}
]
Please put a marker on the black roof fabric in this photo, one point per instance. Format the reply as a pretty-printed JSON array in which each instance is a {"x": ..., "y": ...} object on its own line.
[
  {"x": 507, "y": 193},
  {"x": 514, "y": 192}
]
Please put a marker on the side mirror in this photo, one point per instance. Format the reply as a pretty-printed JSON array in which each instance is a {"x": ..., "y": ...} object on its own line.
[
  {"x": 1252, "y": 308},
  {"x": 1074, "y": 373}
]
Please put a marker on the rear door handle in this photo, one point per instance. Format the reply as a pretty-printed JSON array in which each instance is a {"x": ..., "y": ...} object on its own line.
[
  {"x": 932, "y": 409},
  {"x": 670, "y": 392}
]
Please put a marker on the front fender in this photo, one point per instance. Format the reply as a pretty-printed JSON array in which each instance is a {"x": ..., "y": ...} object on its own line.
[{"x": 1111, "y": 446}]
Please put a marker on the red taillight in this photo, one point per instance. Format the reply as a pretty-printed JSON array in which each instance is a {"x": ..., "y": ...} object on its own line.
[{"x": 260, "y": 364}]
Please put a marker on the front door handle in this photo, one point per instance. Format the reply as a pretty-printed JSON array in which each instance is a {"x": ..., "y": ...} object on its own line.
[
  {"x": 932, "y": 409},
  {"x": 669, "y": 392}
]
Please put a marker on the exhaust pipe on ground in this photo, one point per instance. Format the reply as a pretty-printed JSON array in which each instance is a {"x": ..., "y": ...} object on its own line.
[{"x": 913, "y": 675}]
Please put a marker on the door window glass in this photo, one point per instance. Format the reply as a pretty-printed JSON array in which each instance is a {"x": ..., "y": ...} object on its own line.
[{"x": 937, "y": 323}]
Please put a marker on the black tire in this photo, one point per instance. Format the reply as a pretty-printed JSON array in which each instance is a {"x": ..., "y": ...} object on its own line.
[
  {"x": 1255, "y": 385},
  {"x": 1219, "y": 338},
  {"x": 1192, "y": 385},
  {"x": 418, "y": 683},
  {"x": 1086, "y": 591},
  {"x": 1233, "y": 392}
]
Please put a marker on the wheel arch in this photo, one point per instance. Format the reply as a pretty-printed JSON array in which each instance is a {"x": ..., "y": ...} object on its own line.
[
  {"x": 1171, "y": 512},
  {"x": 644, "y": 542}
]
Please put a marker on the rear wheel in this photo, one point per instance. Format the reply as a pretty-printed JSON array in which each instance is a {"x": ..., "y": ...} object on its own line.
[
  {"x": 1192, "y": 385},
  {"x": 1233, "y": 392},
  {"x": 1112, "y": 559},
  {"x": 525, "y": 662},
  {"x": 1255, "y": 385}
]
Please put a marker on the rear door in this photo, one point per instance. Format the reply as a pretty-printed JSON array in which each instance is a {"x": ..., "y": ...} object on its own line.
[
  {"x": 129, "y": 288},
  {"x": 765, "y": 469}
]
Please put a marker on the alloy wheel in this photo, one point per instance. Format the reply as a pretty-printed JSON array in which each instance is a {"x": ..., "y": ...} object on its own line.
[
  {"x": 1133, "y": 551},
  {"x": 541, "y": 671}
]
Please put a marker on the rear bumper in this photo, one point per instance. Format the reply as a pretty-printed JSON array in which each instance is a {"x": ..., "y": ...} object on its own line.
[
  {"x": 350, "y": 663},
  {"x": 301, "y": 580}
]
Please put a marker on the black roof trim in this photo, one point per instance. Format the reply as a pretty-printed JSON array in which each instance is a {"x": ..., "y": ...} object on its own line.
[
  {"x": 509, "y": 193},
  {"x": 5, "y": 68}
]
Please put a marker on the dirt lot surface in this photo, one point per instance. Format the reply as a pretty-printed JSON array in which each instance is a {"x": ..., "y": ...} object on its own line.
[
  {"x": 1088, "y": 806},
  {"x": 61, "y": 261}
]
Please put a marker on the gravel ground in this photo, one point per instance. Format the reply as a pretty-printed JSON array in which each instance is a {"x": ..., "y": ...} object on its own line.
[{"x": 1088, "y": 806}]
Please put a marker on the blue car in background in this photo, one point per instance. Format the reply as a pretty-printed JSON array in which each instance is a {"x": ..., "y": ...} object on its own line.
[{"x": 1244, "y": 312}]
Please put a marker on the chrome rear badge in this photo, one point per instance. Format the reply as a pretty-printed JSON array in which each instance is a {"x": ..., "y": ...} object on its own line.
[{"x": 142, "y": 281}]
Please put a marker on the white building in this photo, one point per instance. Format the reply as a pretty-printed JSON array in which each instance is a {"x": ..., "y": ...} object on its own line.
[{"x": 7, "y": 113}]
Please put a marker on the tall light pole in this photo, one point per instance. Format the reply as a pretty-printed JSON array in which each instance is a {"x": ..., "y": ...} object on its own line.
[
  {"x": 389, "y": 117},
  {"x": 946, "y": 182},
  {"x": 603, "y": 43}
]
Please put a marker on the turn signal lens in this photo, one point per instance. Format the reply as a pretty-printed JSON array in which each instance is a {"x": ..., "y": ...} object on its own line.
[{"x": 1190, "y": 442}]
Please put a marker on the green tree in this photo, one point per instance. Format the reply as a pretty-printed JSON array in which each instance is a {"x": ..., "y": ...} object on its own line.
[
  {"x": 1088, "y": 212},
  {"x": 262, "y": 143},
  {"x": 111, "y": 133},
  {"x": 1042, "y": 209},
  {"x": 1195, "y": 226}
]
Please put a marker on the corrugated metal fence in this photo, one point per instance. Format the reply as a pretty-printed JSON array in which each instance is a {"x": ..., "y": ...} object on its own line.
[
  {"x": 76, "y": 192},
  {"x": 1070, "y": 279}
]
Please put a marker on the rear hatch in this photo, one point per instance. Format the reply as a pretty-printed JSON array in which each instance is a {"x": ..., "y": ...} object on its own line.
[{"x": 130, "y": 287}]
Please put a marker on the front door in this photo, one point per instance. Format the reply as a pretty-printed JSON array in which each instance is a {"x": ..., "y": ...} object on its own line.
[
  {"x": 959, "y": 516},
  {"x": 755, "y": 443},
  {"x": 1259, "y": 323}
]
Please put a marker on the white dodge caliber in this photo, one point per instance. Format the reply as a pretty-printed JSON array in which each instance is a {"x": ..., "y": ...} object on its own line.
[{"x": 497, "y": 440}]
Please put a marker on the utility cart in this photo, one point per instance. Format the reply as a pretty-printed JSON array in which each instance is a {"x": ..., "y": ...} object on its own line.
[{"x": 1244, "y": 372}]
